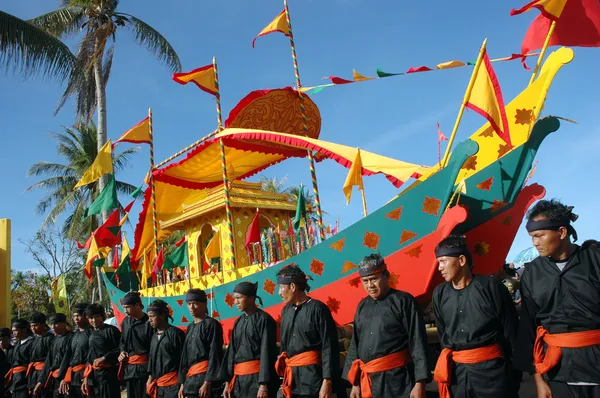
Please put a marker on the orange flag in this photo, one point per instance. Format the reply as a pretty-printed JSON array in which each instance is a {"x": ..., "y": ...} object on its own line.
[
  {"x": 203, "y": 77},
  {"x": 486, "y": 99},
  {"x": 551, "y": 9},
  {"x": 279, "y": 24},
  {"x": 138, "y": 134}
]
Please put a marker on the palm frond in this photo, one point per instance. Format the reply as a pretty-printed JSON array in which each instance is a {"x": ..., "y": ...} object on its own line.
[
  {"x": 63, "y": 23},
  {"x": 55, "y": 169},
  {"x": 147, "y": 36},
  {"x": 121, "y": 160},
  {"x": 125, "y": 188},
  {"x": 30, "y": 51},
  {"x": 54, "y": 183},
  {"x": 107, "y": 66}
]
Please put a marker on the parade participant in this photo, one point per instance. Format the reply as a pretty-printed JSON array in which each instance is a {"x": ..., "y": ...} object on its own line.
[
  {"x": 21, "y": 355},
  {"x": 76, "y": 357},
  {"x": 55, "y": 367},
  {"x": 40, "y": 347},
  {"x": 387, "y": 356},
  {"x": 201, "y": 358},
  {"x": 559, "y": 334},
  {"x": 136, "y": 334},
  {"x": 4, "y": 368},
  {"x": 100, "y": 374},
  {"x": 309, "y": 359},
  {"x": 477, "y": 324},
  {"x": 7, "y": 349},
  {"x": 249, "y": 363},
  {"x": 166, "y": 347}
]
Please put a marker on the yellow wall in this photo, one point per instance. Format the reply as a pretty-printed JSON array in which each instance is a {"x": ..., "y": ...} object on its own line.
[{"x": 4, "y": 272}]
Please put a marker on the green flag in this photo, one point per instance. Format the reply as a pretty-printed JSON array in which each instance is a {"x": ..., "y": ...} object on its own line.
[
  {"x": 107, "y": 200},
  {"x": 137, "y": 192},
  {"x": 300, "y": 218},
  {"x": 179, "y": 258}
]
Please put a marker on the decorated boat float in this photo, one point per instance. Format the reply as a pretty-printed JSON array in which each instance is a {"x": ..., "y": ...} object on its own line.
[{"x": 481, "y": 192}]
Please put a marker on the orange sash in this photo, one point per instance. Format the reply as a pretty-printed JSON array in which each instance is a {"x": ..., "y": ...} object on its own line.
[
  {"x": 383, "y": 364},
  {"x": 243, "y": 369},
  {"x": 284, "y": 366},
  {"x": 73, "y": 369},
  {"x": 166, "y": 380},
  {"x": 197, "y": 369},
  {"x": 89, "y": 368},
  {"x": 52, "y": 375},
  {"x": 39, "y": 365},
  {"x": 443, "y": 368},
  {"x": 134, "y": 359},
  {"x": 543, "y": 362},
  {"x": 12, "y": 371}
]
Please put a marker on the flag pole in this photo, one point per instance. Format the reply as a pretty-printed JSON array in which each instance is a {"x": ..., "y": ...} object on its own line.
[
  {"x": 217, "y": 95},
  {"x": 542, "y": 52},
  {"x": 311, "y": 160},
  {"x": 152, "y": 186},
  {"x": 464, "y": 103}
]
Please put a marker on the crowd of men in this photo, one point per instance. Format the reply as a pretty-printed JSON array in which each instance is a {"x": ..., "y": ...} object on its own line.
[{"x": 485, "y": 343}]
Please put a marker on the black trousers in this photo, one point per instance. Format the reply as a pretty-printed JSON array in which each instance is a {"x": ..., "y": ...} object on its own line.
[
  {"x": 136, "y": 388},
  {"x": 563, "y": 390},
  {"x": 75, "y": 392},
  {"x": 167, "y": 392}
]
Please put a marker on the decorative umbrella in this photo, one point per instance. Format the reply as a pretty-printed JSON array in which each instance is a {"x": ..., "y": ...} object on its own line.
[{"x": 525, "y": 256}]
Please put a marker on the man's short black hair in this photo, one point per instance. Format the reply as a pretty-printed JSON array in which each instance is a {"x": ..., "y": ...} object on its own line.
[
  {"x": 160, "y": 307},
  {"x": 95, "y": 309},
  {"x": 590, "y": 243},
  {"x": 457, "y": 242},
  {"x": 296, "y": 274},
  {"x": 551, "y": 209}
]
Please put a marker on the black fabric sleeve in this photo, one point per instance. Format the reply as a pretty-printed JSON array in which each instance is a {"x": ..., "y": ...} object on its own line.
[
  {"x": 523, "y": 359},
  {"x": 417, "y": 340}
]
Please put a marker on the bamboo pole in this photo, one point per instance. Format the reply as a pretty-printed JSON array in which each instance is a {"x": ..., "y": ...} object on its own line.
[
  {"x": 542, "y": 52},
  {"x": 152, "y": 185},
  {"x": 464, "y": 103}
]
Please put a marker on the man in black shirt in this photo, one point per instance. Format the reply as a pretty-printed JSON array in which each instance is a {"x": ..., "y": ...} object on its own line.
[
  {"x": 559, "y": 333},
  {"x": 55, "y": 367},
  {"x": 387, "y": 356},
  {"x": 40, "y": 347},
  {"x": 136, "y": 333},
  {"x": 6, "y": 347},
  {"x": 76, "y": 357},
  {"x": 20, "y": 358},
  {"x": 477, "y": 323}
]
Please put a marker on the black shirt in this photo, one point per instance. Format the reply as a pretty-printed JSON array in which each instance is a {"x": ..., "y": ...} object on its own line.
[
  {"x": 165, "y": 352},
  {"x": 135, "y": 340}
]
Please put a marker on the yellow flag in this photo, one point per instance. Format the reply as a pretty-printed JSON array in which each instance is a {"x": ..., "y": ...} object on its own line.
[
  {"x": 354, "y": 177},
  {"x": 102, "y": 165},
  {"x": 124, "y": 249},
  {"x": 279, "y": 24},
  {"x": 203, "y": 77},
  {"x": 95, "y": 254},
  {"x": 138, "y": 134},
  {"x": 213, "y": 249},
  {"x": 59, "y": 295},
  {"x": 486, "y": 99},
  {"x": 146, "y": 269},
  {"x": 551, "y": 9},
  {"x": 358, "y": 77}
]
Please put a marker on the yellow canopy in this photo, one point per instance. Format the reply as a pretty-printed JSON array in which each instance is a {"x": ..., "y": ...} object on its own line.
[{"x": 247, "y": 152}]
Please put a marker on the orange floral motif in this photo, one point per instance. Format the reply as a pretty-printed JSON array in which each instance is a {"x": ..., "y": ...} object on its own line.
[
  {"x": 215, "y": 314},
  {"x": 406, "y": 236},
  {"x": 333, "y": 304},
  {"x": 269, "y": 286},
  {"x": 431, "y": 205},
  {"x": 503, "y": 149},
  {"x": 497, "y": 205},
  {"x": 180, "y": 303},
  {"x": 348, "y": 266},
  {"x": 371, "y": 240},
  {"x": 523, "y": 116},
  {"x": 191, "y": 257},
  {"x": 482, "y": 248},
  {"x": 470, "y": 164},
  {"x": 485, "y": 185},
  {"x": 339, "y": 245},
  {"x": 193, "y": 270},
  {"x": 354, "y": 282},
  {"x": 170, "y": 310},
  {"x": 210, "y": 296},
  {"x": 489, "y": 132},
  {"x": 393, "y": 280},
  {"x": 184, "y": 319},
  {"x": 507, "y": 220},
  {"x": 229, "y": 299},
  {"x": 316, "y": 267},
  {"x": 415, "y": 251},
  {"x": 395, "y": 214}
]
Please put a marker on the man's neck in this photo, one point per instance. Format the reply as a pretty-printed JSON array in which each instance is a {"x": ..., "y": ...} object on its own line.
[
  {"x": 301, "y": 299},
  {"x": 162, "y": 327},
  {"x": 564, "y": 254},
  {"x": 198, "y": 319},
  {"x": 251, "y": 309},
  {"x": 138, "y": 316},
  {"x": 462, "y": 281},
  {"x": 83, "y": 328}
]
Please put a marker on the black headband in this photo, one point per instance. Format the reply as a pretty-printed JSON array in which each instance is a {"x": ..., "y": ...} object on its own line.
[
  {"x": 160, "y": 308},
  {"x": 248, "y": 289},
  {"x": 132, "y": 298},
  {"x": 457, "y": 251},
  {"x": 94, "y": 309},
  {"x": 545, "y": 224},
  {"x": 300, "y": 280},
  {"x": 20, "y": 324},
  {"x": 79, "y": 308},
  {"x": 56, "y": 318},
  {"x": 38, "y": 318},
  {"x": 370, "y": 270},
  {"x": 196, "y": 295}
]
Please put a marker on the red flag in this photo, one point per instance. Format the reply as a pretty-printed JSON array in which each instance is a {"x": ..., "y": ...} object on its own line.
[
  {"x": 115, "y": 263},
  {"x": 87, "y": 243},
  {"x": 578, "y": 26},
  {"x": 441, "y": 136},
  {"x": 180, "y": 241},
  {"x": 109, "y": 233},
  {"x": 253, "y": 235},
  {"x": 158, "y": 263}
]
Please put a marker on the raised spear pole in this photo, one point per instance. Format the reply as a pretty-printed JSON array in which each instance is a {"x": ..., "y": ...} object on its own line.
[
  {"x": 311, "y": 160},
  {"x": 152, "y": 187},
  {"x": 542, "y": 52}
]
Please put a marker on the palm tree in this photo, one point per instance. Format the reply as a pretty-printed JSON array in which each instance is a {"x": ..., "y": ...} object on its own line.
[
  {"x": 276, "y": 185},
  {"x": 78, "y": 146},
  {"x": 28, "y": 50}
]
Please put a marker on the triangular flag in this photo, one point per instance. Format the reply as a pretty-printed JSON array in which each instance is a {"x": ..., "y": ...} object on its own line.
[
  {"x": 253, "y": 234},
  {"x": 486, "y": 99},
  {"x": 279, "y": 24},
  {"x": 450, "y": 64},
  {"x": 177, "y": 259},
  {"x": 381, "y": 73},
  {"x": 137, "y": 192},
  {"x": 359, "y": 78},
  {"x": 115, "y": 262},
  {"x": 107, "y": 200},
  {"x": 138, "y": 134},
  {"x": 300, "y": 218},
  {"x": 146, "y": 269},
  {"x": 441, "y": 136},
  {"x": 126, "y": 210},
  {"x": 101, "y": 165},
  {"x": 354, "y": 177},
  {"x": 213, "y": 249},
  {"x": 551, "y": 9},
  {"x": 109, "y": 233},
  {"x": 95, "y": 258},
  {"x": 203, "y": 77},
  {"x": 158, "y": 264},
  {"x": 181, "y": 241}
]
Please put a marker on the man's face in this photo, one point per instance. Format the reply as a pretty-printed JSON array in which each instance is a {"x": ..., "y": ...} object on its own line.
[
  {"x": 38, "y": 328},
  {"x": 450, "y": 267},
  {"x": 548, "y": 242},
  {"x": 154, "y": 319},
  {"x": 96, "y": 321},
  {"x": 19, "y": 333},
  {"x": 286, "y": 292},
  {"x": 133, "y": 310},
  {"x": 241, "y": 301},
  {"x": 376, "y": 285},
  {"x": 5, "y": 342},
  {"x": 197, "y": 309},
  {"x": 59, "y": 328},
  {"x": 80, "y": 320}
]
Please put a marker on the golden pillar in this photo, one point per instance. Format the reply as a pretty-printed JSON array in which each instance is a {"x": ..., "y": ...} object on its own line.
[{"x": 5, "y": 272}]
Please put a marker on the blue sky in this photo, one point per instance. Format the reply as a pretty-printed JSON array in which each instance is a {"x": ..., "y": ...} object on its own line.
[{"x": 395, "y": 117}]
